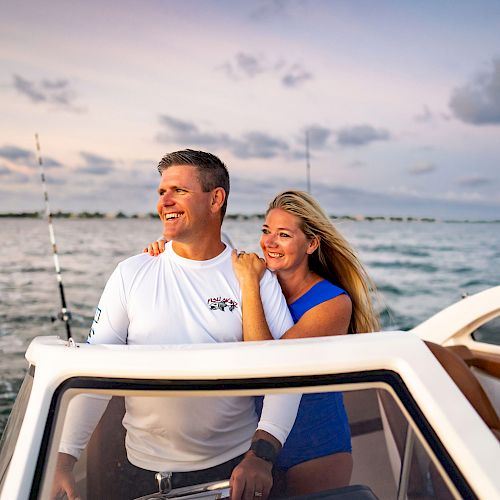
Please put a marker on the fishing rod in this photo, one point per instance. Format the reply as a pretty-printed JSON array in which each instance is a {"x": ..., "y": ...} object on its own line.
[{"x": 64, "y": 315}]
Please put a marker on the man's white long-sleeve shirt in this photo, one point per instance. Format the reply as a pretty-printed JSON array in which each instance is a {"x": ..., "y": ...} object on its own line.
[{"x": 173, "y": 300}]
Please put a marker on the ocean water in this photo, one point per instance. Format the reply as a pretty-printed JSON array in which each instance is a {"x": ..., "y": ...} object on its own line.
[{"x": 419, "y": 268}]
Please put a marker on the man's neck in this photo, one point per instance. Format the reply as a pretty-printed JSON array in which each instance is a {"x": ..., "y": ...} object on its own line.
[{"x": 199, "y": 250}]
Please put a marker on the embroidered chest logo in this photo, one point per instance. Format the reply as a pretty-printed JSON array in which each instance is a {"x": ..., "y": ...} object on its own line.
[{"x": 220, "y": 304}]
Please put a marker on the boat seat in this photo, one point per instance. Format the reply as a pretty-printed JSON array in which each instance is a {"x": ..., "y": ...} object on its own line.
[
  {"x": 457, "y": 361},
  {"x": 485, "y": 362}
]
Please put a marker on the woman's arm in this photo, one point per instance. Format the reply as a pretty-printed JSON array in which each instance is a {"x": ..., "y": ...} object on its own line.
[
  {"x": 331, "y": 317},
  {"x": 249, "y": 269}
]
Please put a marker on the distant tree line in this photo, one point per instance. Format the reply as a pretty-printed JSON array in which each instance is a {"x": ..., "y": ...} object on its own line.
[{"x": 236, "y": 217}]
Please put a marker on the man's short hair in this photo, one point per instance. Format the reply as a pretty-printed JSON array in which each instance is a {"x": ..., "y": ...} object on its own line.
[{"x": 212, "y": 173}]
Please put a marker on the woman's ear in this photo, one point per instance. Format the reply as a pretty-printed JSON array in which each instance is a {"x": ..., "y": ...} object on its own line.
[
  {"x": 313, "y": 245},
  {"x": 218, "y": 198}
]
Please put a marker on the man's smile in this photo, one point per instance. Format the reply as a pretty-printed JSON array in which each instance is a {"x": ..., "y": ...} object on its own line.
[{"x": 172, "y": 215}]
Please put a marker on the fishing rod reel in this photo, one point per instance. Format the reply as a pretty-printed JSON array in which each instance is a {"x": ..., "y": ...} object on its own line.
[{"x": 66, "y": 317}]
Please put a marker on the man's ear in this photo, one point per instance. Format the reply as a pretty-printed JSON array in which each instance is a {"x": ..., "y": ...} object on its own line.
[
  {"x": 313, "y": 245},
  {"x": 217, "y": 199}
]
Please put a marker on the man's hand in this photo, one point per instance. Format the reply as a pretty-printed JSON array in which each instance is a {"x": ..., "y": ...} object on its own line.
[
  {"x": 64, "y": 480},
  {"x": 252, "y": 479}
]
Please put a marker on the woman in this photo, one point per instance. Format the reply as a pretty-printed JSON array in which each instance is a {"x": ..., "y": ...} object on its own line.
[{"x": 328, "y": 293}]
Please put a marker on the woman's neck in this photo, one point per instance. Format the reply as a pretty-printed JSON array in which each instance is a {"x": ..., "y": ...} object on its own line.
[{"x": 296, "y": 283}]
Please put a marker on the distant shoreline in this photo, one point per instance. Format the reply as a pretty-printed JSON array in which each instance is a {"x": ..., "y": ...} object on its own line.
[{"x": 151, "y": 215}]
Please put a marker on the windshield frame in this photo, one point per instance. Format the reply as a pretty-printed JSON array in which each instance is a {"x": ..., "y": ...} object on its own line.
[
  {"x": 14, "y": 423},
  {"x": 386, "y": 379}
]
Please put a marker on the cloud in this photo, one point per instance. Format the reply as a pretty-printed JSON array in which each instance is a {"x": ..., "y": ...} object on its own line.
[
  {"x": 55, "y": 84},
  {"x": 478, "y": 102},
  {"x": 245, "y": 65},
  {"x": 55, "y": 181},
  {"x": 422, "y": 168},
  {"x": 4, "y": 170},
  {"x": 270, "y": 9},
  {"x": 258, "y": 145},
  {"x": 91, "y": 158},
  {"x": 474, "y": 181},
  {"x": 318, "y": 136},
  {"x": 187, "y": 133},
  {"x": 95, "y": 164},
  {"x": 95, "y": 170},
  {"x": 252, "y": 196},
  {"x": 297, "y": 154},
  {"x": 25, "y": 157},
  {"x": 18, "y": 178},
  {"x": 361, "y": 135},
  {"x": 296, "y": 76},
  {"x": 179, "y": 126},
  {"x": 28, "y": 89},
  {"x": 16, "y": 154},
  {"x": 248, "y": 66},
  {"x": 51, "y": 163},
  {"x": 9, "y": 176},
  {"x": 140, "y": 165},
  {"x": 253, "y": 144},
  {"x": 425, "y": 116},
  {"x": 357, "y": 164},
  {"x": 57, "y": 92}
]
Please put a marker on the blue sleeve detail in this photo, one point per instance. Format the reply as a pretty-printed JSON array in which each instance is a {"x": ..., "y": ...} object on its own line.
[{"x": 319, "y": 293}]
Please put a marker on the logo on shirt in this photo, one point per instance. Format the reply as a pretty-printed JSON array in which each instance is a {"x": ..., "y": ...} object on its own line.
[{"x": 220, "y": 304}]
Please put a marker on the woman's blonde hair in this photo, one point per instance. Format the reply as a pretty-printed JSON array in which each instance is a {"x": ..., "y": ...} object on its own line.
[{"x": 334, "y": 258}]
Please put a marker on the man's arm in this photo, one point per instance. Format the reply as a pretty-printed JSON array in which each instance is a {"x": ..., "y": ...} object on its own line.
[
  {"x": 252, "y": 478},
  {"x": 64, "y": 480},
  {"x": 110, "y": 326},
  {"x": 111, "y": 321}
]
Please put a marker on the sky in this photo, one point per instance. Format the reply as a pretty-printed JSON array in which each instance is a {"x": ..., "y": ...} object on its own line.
[{"x": 400, "y": 101}]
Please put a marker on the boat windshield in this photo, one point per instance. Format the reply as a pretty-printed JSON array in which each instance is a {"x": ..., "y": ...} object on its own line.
[
  {"x": 11, "y": 432},
  {"x": 153, "y": 426},
  {"x": 489, "y": 332}
]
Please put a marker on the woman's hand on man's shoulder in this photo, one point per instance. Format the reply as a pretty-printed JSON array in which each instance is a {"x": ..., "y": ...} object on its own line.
[
  {"x": 156, "y": 248},
  {"x": 248, "y": 267}
]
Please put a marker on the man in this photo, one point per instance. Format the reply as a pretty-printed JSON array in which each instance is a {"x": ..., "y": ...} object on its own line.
[{"x": 188, "y": 295}]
